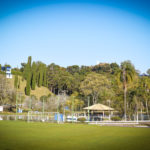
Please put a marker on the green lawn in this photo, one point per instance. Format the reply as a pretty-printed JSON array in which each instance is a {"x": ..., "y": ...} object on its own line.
[{"x": 17, "y": 135}]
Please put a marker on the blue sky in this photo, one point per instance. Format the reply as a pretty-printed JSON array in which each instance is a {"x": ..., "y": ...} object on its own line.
[{"x": 75, "y": 32}]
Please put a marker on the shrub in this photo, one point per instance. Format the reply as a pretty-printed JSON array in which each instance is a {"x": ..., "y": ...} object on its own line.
[
  {"x": 26, "y": 110},
  {"x": 116, "y": 118},
  {"x": 81, "y": 119},
  {"x": 105, "y": 119},
  {"x": 13, "y": 110}
]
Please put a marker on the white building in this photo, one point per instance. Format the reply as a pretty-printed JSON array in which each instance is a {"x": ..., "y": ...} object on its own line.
[
  {"x": 1, "y": 108},
  {"x": 8, "y": 73}
]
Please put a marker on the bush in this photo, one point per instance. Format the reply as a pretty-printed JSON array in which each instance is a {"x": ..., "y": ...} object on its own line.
[
  {"x": 81, "y": 119},
  {"x": 13, "y": 110},
  {"x": 116, "y": 118},
  {"x": 105, "y": 119},
  {"x": 26, "y": 110}
]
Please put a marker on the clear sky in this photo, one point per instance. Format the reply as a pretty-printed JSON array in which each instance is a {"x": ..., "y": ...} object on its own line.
[{"x": 75, "y": 32}]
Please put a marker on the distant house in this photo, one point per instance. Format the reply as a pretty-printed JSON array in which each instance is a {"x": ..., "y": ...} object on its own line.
[
  {"x": 143, "y": 75},
  {"x": 8, "y": 72}
]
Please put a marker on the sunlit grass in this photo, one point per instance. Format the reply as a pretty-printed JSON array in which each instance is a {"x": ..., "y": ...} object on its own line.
[{"x": 47, "y": 136}]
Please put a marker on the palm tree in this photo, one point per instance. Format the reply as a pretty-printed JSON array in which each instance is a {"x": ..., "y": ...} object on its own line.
[{"x": 125, "y": 75}]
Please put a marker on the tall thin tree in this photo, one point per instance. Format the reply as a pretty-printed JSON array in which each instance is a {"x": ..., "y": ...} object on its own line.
[{"x": 126, "y": 75}]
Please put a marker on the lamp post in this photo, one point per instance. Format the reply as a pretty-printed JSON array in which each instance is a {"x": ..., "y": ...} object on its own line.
[
  {"x": 43, "y": 105},
  {"x": 16, "y": 103},
  {"x": 58, "y": 109},
  {"x": 88, "y": 109},
  {"x": 72, "y": 107}
]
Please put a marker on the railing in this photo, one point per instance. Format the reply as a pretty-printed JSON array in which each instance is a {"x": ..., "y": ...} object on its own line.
[
  {"x": 13, "y": 117},
  {"x": 52, "y": 117}
]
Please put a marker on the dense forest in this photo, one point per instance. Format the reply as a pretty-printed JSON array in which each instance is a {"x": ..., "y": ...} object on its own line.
[{"x": 120, "y": 86}]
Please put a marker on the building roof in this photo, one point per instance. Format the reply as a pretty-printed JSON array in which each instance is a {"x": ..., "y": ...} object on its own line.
[{"x": 99, "y": 107}]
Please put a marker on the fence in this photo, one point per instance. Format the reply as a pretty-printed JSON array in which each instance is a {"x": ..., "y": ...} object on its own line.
[{"x": 57, "y": 117}]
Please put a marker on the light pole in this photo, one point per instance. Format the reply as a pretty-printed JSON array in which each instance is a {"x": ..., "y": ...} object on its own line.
[
  {"x": 43, "y": 105},
  {"x": 88, "y": 109},
  {"x": 16, "y": 103},
  {"x": 58, "y": 109},
  {"x": 72, "y": 107}
]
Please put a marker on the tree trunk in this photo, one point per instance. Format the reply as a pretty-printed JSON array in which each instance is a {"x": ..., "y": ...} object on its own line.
[
  {"x": 125, "y": 93},
  {"x": 141, "y": 112},
  {"x": 137, "y": 114},
  {"x": 147, "y": 108}
]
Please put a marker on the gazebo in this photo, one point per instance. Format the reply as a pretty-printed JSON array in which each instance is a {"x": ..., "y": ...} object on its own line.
[{"x": 99, "y": 110}]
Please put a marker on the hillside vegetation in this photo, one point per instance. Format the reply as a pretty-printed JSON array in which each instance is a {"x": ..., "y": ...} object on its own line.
[{"x": 38, "y": 92}]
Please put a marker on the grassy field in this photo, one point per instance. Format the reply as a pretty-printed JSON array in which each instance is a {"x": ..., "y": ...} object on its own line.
[{"x": 17, "y": 135}]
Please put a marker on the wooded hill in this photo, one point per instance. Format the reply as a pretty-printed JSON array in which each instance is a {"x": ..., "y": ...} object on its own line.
[{"x": 121, "y": 85}]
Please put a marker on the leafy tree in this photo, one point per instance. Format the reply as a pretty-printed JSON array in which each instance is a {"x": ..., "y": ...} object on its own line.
[
  {"x": 84, "y": 70},
  {"x": 114, "y": 68},
  {"x": 57, "y": 77},
  {"x": 44, "y": 97},
  {"x": 16, "y": 71},
  {"x": 102, "y": 68},
  {"x": 7, "y": 65},
  {"x": 94, "y": 85},
  {"x": 77, "y": 102},
  {"x": 7, "y": 95},
  {"x": 73, "y": 69},
  {"x": 148, "y": 72}
]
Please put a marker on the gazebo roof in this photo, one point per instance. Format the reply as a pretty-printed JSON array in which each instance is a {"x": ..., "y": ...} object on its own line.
[{"x": 99, "y": 107}]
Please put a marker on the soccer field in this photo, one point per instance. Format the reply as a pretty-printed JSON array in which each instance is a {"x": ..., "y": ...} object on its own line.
[{"x": 17, "y": 135}]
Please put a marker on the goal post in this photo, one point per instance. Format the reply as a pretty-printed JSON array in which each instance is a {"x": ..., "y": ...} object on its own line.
[{"x": 43, "y": 116}]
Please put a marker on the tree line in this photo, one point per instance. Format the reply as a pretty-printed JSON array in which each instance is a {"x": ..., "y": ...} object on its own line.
[{"x": 120, "y": 86}]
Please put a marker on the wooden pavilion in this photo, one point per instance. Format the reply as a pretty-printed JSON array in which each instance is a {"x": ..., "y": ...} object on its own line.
[{"x": 99, "y": 111}]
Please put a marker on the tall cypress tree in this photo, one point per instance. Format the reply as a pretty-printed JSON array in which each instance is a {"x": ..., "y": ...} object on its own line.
[
  {"x": 29, "y": 61},
  {"x": 18, "y": 83},
  {"x": 38, "y": 79},
  {"x": 44, "y": 77},
  {"x": 27, "y": 75},
  {"x": 27, "y": 89},
  {"x": 33, "y": 79},
  {"x": 28, "y": 79},
  {"x": 27, "y": 68},
  {"x": 41, "y": 76}
]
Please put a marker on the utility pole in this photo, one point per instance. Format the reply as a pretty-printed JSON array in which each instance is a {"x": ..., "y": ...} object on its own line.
[
  {"x": 16, "y": 103},
  {"x": 43, "y": 109},
  {"x": 88, "y": 109},
  {"x": 43, "y": 105},
  {"x": 137, "y": 114},
  {"x": 16, "y": 100},
  {"x": 30, "y": 103},
  {"x": 72, "y": 107},
  {"x": 58, "y": 109}
]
